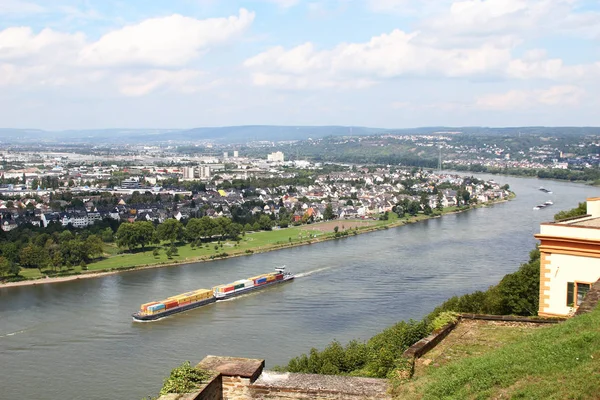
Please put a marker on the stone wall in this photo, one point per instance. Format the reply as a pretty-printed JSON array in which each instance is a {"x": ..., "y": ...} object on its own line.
[{"x": 246, "y": 379}]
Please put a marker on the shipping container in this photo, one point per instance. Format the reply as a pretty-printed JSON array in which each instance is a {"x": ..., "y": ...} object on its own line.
[
  {"x": 270, "y": 278},
  {"x": 239, "y": 286},
  {"x": 228, "y": 289},
  {"x": 185, "y": 303},
  {"x": 171, "y": 304},
  {"x": 156, "y": 307},
  {"x": 279, "y": 277},
  {"x": 145, "y": 306}
]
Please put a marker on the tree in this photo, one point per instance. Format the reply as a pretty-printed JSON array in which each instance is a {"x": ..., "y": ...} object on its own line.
[
  {"x": 132, "y": 235},
  {"x": 328, "y": 213},
  {"x": 265, "y": 223},
  {"x": 171, "y": 230},
  {"x": 4, "y": 266},
  {"x": 33, "y": 256},
  {"x": 439, "y": 202}
]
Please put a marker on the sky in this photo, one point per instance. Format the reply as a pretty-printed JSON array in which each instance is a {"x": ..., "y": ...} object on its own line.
[{"x": 89, "y": 64}]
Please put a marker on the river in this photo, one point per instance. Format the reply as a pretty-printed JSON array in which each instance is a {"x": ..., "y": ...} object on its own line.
[{"x": 76, "y": 340}]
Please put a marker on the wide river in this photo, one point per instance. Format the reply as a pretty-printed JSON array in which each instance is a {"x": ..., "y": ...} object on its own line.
[{"x": 76, "y": 340}]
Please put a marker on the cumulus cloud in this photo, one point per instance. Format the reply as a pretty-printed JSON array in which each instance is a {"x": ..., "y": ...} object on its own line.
[
  {"x": 168, "y": 41},
  {"x": 385, "y": 56},
  {"x": 472, "y": 39},
  {"x": 563, "y": 95},
  {"x": 158, "y": 49}
]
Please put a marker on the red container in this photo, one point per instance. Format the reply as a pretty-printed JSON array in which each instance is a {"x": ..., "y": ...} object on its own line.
[
  {"x": 184, "y": 303},
  {"x": 279, "y": 277},
  {"x": 171, "y": 304},
  {"x": 228, "y": 289}
]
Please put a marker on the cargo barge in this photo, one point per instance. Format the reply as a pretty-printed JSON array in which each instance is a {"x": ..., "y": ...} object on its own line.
[{"x": 201, "y": 297}]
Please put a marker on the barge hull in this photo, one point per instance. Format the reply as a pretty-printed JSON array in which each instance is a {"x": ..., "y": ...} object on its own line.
[
  {"x": 175, "y": 310},
  {"x": 229, "y": 295}
]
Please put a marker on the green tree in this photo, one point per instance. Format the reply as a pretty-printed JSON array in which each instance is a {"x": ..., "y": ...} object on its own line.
[
  {"x": 4, "y": 266},
  {"x": 33, "y": 256},
  {"x": 171, "y": 230},
  {"x": 265, "y": 223},
  {"x": 439, "y": 202},
  {"x": 328, "y": 213}
]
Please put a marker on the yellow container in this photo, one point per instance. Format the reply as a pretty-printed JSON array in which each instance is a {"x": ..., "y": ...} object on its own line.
[{"x": 270, "y": 278}]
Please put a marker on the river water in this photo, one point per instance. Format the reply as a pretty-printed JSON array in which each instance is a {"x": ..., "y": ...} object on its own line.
[{"x": 76, "y": 340}]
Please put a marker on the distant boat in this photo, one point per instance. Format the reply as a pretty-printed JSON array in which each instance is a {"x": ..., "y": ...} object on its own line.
[
  {"x": 543, "y": 189},
  {"x": 548, "y": 203}
]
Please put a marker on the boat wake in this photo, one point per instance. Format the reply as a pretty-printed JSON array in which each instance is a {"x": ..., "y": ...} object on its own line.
[
  {"x": 308, "y": 273},
  {"x": 13, "y": 333}
]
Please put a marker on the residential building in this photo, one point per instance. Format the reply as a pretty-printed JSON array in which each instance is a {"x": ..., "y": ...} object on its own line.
[
  {"x": 569, "y": 261},
  {"x": 275, "y": 157}
]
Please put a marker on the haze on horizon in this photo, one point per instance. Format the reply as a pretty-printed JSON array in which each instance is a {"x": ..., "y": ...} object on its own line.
[{"x": 69, "y": 64}]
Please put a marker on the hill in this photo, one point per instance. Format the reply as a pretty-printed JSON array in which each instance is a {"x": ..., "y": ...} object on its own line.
[{"x": 253, "y": 133}]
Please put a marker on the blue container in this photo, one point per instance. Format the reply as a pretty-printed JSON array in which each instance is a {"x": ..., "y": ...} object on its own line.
[
  {"x": 156, "y": 307},
  {"x": 261, "y": 280}
]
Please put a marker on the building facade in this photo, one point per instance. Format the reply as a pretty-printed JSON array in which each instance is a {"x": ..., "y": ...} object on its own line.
[{"x": 569, "y": 261}]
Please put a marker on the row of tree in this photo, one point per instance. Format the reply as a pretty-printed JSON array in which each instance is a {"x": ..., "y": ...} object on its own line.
[
  {"x": 50, "y": 251},
  {"x": 143, "y": 233}
]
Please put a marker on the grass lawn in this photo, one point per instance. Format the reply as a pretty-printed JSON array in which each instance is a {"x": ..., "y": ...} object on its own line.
[
  {"x": 472, "y": 338},
  {"x": 557, "y": 362}
]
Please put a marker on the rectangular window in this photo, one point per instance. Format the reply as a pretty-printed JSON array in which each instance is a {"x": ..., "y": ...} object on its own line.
[
  {"x": 576, "y": 293},
  {"x": 570, "y": 293},
  {"x": 582, "y": 289}
]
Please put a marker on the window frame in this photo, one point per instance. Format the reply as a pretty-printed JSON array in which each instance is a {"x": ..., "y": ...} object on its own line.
[{"x": 573, "y": 293}]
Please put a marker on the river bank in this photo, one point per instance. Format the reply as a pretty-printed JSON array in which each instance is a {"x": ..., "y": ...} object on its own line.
[{"x": 313, "y": 238}]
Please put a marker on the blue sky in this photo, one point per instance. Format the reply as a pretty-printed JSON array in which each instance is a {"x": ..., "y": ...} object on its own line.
[{"x": 68, "y": 64}]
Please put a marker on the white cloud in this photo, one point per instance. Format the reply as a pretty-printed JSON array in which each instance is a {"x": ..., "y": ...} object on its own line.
[
  {"x": 149, "y": 81},
  {"x": 564, "y": 95},
  {"x": 20, "y": 43},
  {"x": 19, "y": 7},
  {"x": 386, "y": 56},
  {"x": 160, "y": 49},
  {"x": 168, "y": 41}
]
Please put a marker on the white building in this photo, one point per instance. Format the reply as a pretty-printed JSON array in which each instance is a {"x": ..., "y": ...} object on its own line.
[
  {"x": 201, "y": 171},
  {"x": 236, "y": 154},
  {"x": 569, "y": 261},
  {"x": 275, "y": 157},
  {"x": 189, "y": 173}
]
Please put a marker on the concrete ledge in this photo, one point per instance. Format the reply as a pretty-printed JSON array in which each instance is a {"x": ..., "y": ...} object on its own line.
[
  {"x": 234, "y": 366},
  {"x": 321, "y": 386},
  {"x": 424, "y": 345}
]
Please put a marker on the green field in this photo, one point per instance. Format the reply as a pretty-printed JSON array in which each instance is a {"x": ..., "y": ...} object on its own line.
[{"x": 557, "y": 362}]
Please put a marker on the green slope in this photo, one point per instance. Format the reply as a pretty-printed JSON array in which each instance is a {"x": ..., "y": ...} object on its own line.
[{"x": 559, "y": 362}]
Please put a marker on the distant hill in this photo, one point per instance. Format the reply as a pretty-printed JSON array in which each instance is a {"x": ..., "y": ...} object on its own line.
[{"x": 252, "y": 133}]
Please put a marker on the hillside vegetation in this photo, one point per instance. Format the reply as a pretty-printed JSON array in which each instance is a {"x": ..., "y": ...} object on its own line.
[
  {"x": 558, "y": 362},
  {"x": 381, "y": 356}
]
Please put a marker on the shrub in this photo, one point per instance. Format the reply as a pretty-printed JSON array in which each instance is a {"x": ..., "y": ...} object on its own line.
[
  {"x": 184, "y": 379},
  {"x": 443, "y": 319}
]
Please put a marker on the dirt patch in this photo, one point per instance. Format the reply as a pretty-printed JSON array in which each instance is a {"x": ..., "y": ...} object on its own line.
[{"x": 329, "y": 226}]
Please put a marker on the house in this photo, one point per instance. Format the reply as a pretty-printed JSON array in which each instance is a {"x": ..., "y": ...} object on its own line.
[{"x": 569, "y": 260}]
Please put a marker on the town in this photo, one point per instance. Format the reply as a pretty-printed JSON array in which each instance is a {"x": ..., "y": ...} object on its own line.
[{"x": 70, "y": 190}]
